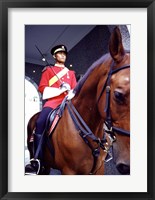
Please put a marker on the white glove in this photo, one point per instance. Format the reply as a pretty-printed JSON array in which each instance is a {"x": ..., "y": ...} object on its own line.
[
  {"x": 65, "y": 86},
  {"x": 70, "y": 95}
]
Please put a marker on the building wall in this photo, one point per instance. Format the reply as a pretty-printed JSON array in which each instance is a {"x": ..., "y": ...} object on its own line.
[
  {"x": 89, "y": 49},
  {"x": 33, "y": 71}
]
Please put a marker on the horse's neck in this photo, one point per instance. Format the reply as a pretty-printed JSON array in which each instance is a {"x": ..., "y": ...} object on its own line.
[{"x": 86, "y": 102}]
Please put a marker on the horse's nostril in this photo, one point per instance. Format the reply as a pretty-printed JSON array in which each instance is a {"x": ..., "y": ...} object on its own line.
[{"x": 123, "y": 168}]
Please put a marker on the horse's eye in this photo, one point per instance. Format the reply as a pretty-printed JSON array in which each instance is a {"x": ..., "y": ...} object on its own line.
[{"x": 119, "y": 97}]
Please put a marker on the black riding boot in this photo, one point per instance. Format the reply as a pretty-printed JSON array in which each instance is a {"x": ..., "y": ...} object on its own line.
[{"x": 35, "y": 165}]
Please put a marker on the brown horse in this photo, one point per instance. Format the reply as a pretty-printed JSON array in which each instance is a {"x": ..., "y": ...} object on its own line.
[{"x": 102, "y": 98}]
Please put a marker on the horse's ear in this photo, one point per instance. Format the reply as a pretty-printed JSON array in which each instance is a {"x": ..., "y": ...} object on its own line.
[{"x": 116, "y": 46}]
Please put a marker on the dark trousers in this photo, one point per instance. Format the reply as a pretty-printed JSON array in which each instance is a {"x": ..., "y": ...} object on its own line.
[
  {"x": 41, "y": 121},
  {"x": 40, "y": 127}
]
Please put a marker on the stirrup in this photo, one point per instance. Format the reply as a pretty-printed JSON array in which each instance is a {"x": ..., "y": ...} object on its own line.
[{"x": 35, "y": 160}]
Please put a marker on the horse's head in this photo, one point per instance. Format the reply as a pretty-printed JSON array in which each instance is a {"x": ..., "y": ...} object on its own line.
[
  {"x": 120, "y": 102},
  {"x": 120, "y": 114},
  {"x": 117, "y": 105}
]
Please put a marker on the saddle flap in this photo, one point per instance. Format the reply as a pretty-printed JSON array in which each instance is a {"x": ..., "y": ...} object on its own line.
[
  {"x": 55, "y": 115},
  {"x": 53, "y": 119},
  {"x": 53, "y": 124}
]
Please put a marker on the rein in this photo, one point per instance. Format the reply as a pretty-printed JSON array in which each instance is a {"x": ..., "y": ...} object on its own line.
[
  {"x": 84, "y": 130},
  {"x": 85, "y": 133}
]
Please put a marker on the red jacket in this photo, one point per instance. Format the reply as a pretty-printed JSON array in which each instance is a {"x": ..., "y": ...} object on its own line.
[{"x": 47, "y": 74}]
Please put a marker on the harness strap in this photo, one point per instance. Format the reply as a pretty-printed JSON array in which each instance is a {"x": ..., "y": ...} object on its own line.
[
  {"x": 106, "y": 86},
  {"x": 87, "y": 130},
  {"x": 120, "y": 131},
  {"x": 111, "y": 72},
  {"x": 107, "y": 82},
  {"x": 107, "y": 109},
  {"x": 51, "y": 149},
  {"x": 84, "y": 133},
  {"x": 118, "y": 69}
]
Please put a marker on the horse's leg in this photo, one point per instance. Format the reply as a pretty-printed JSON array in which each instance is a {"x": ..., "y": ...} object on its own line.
[
  {"x": 30, "y": 128},
  {"x": 30, "y": 143},
  {"x": 100, "y": 171}
]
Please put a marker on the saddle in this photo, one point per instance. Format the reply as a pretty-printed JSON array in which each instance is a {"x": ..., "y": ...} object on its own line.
[
  {"x": 54, "y": 117},
  {"x": 52, "y": 120}
]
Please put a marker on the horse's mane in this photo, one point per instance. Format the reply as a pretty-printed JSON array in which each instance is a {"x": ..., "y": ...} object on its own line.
[
  {"x": 90, "y": 69},
  {"x": 88, "y": 72}
]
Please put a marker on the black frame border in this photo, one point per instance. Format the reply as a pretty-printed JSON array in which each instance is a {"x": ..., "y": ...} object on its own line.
[{"x": 4, "y": 6}]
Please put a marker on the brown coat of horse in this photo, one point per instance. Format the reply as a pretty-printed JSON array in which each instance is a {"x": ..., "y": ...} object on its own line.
[{"x": 71, "y": 154}]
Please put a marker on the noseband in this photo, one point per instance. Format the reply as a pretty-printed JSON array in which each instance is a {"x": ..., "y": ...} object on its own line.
[{"x": 111, "y": 130}]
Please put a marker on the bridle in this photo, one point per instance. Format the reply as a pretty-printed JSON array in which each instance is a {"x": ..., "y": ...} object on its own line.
[
  {"x": 83, "y": 128},
  {"x": 110, "y": 129}
]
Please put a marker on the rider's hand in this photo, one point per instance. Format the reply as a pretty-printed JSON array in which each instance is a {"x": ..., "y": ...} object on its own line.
[{"x": 65, "y": 86}]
